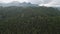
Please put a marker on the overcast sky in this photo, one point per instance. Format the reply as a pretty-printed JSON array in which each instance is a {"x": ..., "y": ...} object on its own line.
[
  {"x": 13, "y": 0},
  {"x": 41, "y": 2}
]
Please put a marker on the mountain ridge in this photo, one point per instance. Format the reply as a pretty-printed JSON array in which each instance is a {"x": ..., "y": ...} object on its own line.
[{"x": 16, "y": 3}]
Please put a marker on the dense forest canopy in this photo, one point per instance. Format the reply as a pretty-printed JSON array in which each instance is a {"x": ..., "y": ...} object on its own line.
[{"x": 29, "y": 20}]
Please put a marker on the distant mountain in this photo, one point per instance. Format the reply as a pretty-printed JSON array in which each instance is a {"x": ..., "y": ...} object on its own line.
[
  {"x": 58, "y": 8},
  {"x": 16, "y": 3}
]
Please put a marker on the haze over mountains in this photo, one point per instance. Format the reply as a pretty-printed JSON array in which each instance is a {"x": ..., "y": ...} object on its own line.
[
  {"x": 26, "y": 4},
  {"x": 16, "y": 3}
]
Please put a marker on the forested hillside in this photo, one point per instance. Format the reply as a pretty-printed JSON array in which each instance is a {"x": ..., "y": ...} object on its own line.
[{"x": 29, "y": 20}]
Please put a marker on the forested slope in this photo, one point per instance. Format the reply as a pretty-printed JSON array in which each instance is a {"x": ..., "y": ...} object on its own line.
[{"x": 29, "y": 20}]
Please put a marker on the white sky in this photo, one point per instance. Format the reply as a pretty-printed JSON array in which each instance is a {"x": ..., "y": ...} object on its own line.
[{"x": 6, "y": 1}]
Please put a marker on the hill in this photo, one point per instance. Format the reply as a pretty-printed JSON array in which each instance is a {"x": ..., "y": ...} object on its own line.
[
  {"x": 37, "y": 11},
  {"x": 29, "y": 20}
]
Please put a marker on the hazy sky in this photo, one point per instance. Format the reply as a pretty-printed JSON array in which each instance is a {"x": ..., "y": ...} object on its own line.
[
  {"x": 41, "y": 2},
  {"x": 32, "y": 1},
  {"x": 13, "y": 0}
]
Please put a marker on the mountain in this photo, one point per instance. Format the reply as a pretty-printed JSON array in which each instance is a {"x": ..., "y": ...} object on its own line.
[
  {"x": 58, "y": 8},
  {"x": 16, "y": 3},
  {"x": 30, "y": 20},
  {"x": 36, "y": 11}
]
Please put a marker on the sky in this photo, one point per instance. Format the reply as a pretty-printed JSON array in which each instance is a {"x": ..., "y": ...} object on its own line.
[
  {"x": 7, "y": 1},
  {"x": 40, "y": 2}
]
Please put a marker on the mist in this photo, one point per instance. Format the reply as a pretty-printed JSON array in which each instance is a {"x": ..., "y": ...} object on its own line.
[{"x": 48, "y": 3}]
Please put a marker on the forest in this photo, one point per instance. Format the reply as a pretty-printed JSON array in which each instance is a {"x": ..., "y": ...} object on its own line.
[{"x": 29, "y": 20}]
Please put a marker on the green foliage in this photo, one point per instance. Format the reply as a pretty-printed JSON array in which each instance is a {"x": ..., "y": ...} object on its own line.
[{"x": 30, "y": 20}]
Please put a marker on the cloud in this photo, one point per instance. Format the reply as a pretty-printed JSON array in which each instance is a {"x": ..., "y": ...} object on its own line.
[
  {"x": 35, "y": 1},
  {"x": 7, "y": 1},
  {"x": 55, "y": 2},
  {"x": 40, "y": 2},
  {"x": 46, "y": 1},
  {"x": 52, "y": 3}
]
